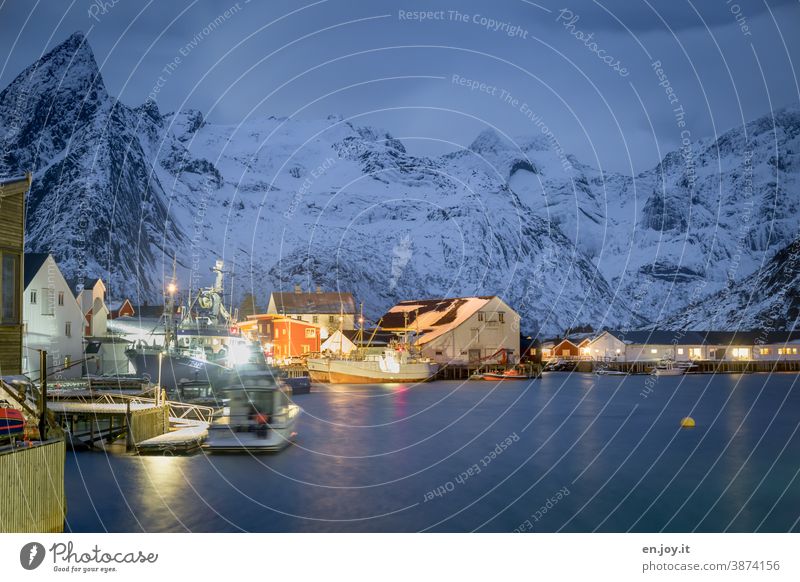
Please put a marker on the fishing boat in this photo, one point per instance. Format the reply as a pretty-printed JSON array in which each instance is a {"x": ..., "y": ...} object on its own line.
[
  {"x": 260, "y": 416},
  {"x": 667, "y": 368},
  {"x": 12, "y": 423},
  {"x": 393, "y": 364},
  {"x": 203, "y": 346}
]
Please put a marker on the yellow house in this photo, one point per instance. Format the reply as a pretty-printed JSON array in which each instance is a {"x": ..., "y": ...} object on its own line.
[{"x": 12, "y": 241}]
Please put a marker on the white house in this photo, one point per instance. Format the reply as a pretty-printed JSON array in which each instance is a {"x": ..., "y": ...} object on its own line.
[
  {"x": 645, "y": 346},
  {"x": 329, "y": 310},
  {"x": 52, "y": 318},
  {"x": 91, "y": 294},
  {"x": 459, "y": 330}
]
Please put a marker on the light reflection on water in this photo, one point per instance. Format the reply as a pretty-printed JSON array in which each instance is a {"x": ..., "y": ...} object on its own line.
[{"x": 368, "y": 457}]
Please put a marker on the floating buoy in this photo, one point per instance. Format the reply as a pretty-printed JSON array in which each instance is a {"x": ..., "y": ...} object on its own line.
[{"x": 687, "y": 422}]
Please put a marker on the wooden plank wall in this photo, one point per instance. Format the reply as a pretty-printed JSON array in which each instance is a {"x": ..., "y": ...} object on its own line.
[
  {"x": 32, "y": 486},
  {"x": 12, "y": 234},
  {"x": 146, "y": 424}
]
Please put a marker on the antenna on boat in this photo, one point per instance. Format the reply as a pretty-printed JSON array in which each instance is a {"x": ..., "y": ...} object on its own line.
[{"x": 361, "y": 327}]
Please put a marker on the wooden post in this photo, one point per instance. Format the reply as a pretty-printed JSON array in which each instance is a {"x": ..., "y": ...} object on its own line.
[
  {"x": 43, "y": 395},
  {"x": 128, "y": 428}
]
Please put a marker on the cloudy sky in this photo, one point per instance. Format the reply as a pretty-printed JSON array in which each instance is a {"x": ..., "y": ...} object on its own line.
[{"x": 585, "y": 69}]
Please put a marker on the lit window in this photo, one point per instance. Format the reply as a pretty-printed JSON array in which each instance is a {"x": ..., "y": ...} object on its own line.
[
  {"x": 618, "y": 350},
  {"x": 653, "y": 351},
  {"x": 763, "y": 351},
  {"x": 741, "y": 352},
  {"x": 680, "y": 351},
  {"x": 311, "y": 332}
]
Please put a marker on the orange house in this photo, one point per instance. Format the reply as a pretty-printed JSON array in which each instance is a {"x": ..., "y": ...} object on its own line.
[{"x": 284, "y": 338}]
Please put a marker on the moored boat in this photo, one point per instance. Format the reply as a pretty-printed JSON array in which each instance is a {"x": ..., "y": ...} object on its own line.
[
  {"x": 667, "y": 368},
  {"x": 391, "y": 365},
  {"x": 259, "y": 418},
  {"x": 12, "y": 423}
]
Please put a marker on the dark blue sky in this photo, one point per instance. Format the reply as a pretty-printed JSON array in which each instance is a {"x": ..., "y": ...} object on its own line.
[{"x": 727, "y": 62}]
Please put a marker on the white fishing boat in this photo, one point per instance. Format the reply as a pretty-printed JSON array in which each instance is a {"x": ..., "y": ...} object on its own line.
[
  {"x": 668, "y": 368},
  {"x": 392, "y": 364},
  {"x": 259, "y": 417}
]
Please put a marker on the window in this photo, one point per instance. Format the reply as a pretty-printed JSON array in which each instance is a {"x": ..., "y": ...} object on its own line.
[
  {"x": 480, "y": 316},
  {"x": 653, "y": 351},
  {"x": 306, "y": 348},
  {"x": 284, "y": 331},
  {"x": 68, "y": 329},
  {"x": 695, "y": 353},
  {"x": 680, "y": 351},
  {"x": 741, "y": 352},
  {"x": 763, "y": 351},
  {"x": 315, "y": 319},
  {"x": 787, "y": 351},
  {"x": 330, "y": 319},
  {"x": 311, "y": 332},
  {"x": 34, "y": 295},
  {"x": 9, "y": 289},
  {"x": 501, "y": 317},
  {"x": 60, "y": 298}
]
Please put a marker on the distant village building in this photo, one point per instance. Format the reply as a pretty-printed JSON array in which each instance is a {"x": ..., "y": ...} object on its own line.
[
  {"x": 346, "y": 341},
  {"x": 329, "y": 310},
  {"x": 460, "y": 330},
  {"x": 12, "y": 241},
  {"x": 283, "y": 338},
  {"x": 119, "y": 309},
  {"x": 53, "y": 319},
  {"x": 91, "y": 295},
  {"x": 105, "y": 350},
  {"x": 655, "y": 345}
]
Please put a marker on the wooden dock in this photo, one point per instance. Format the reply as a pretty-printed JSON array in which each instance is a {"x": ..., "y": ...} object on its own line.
[
  {"x": 465, "y": 371},
  {"x": 147, "y": 424}
]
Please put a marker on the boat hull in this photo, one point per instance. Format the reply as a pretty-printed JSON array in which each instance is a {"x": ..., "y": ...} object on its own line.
[
  {"x": 368, "y": 372},
  {"x": 12, "y": 423},
  {"x": 225, "y": 439},
  {"x": 176, "y": 369}
]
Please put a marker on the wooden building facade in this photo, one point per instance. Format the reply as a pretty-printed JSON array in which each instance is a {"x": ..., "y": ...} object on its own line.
[{"x": 12, "y": 242}]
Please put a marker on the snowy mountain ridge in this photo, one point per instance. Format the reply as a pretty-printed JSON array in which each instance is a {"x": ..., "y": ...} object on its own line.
[{"x": 118, "y": 190}]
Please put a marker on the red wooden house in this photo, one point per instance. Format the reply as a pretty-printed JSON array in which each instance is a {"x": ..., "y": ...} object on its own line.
[{"x": 284, "y": 338}]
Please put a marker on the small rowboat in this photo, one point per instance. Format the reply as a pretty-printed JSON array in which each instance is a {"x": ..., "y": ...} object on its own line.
[
  {"x": 507, "y": 375},
  {"x": 12, "y": 423}
]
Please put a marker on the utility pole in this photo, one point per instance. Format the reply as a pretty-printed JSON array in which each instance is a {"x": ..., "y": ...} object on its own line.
[{"x": 43, "y": 395}]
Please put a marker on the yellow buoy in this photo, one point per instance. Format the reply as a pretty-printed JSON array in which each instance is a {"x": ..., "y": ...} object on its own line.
[{"x": 687, "y": 422}]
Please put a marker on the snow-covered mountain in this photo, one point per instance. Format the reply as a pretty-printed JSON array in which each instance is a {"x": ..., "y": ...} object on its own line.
[
  {"x": 118, "y": 190},
  {"x": 769, "y": 299}
]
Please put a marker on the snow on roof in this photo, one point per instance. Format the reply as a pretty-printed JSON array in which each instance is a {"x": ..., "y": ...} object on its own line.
[{"x": 433, "y": 317}]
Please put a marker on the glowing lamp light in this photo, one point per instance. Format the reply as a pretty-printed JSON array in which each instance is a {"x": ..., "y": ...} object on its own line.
[
  {"x": 171, "y": 288},
  {"x": 239, "y": 354}
]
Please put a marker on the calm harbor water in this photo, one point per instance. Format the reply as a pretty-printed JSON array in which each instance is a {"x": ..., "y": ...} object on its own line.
[{"x": 569, "y": 452}]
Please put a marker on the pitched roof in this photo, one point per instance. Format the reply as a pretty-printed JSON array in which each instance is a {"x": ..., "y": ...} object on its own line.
[
  {"x": 32, "y": 262},
  {"x": 310, "y": 303},
  {"x": 433, "y": 317},
  {"x": 721, "y": 338}
]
